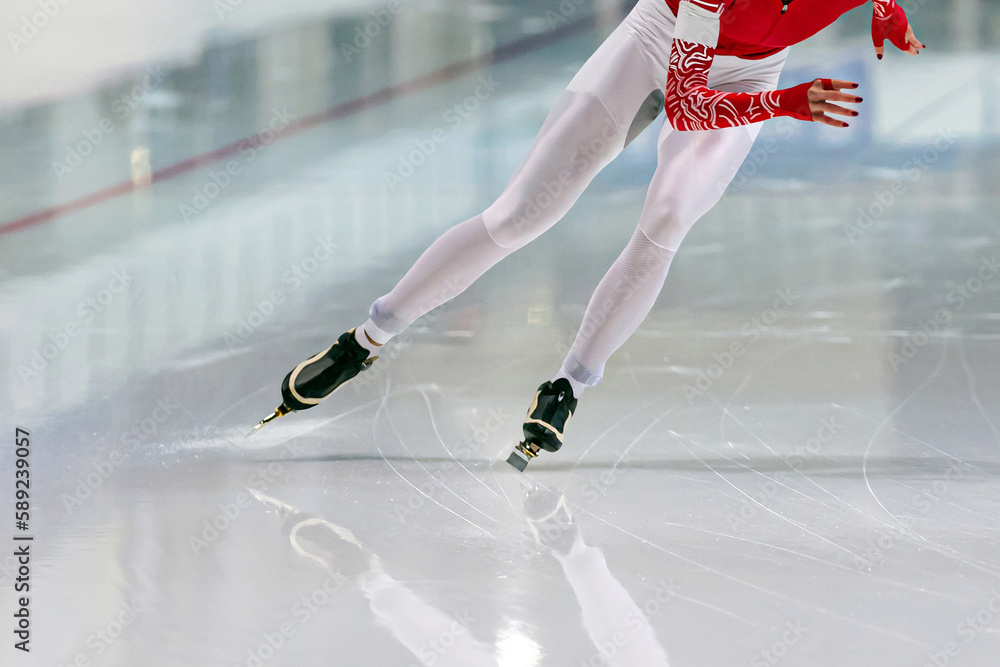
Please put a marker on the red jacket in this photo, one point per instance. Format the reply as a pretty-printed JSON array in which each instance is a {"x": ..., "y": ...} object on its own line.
[
  {"x": 753, "y": 29},
  {"x": 757, "y": 28}
]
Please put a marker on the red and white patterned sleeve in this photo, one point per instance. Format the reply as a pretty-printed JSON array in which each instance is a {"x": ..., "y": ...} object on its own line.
[
  {"x": 889, "y": 22},
  {"x": 691, "y": 104}
]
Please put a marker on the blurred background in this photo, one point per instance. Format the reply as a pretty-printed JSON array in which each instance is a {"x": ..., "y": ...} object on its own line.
[{"x": 196, "y": 195}]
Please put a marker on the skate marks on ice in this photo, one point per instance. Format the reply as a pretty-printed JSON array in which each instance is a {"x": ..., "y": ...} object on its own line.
[
  {"x": 706, "y": 465},
  {"x": 383, "y": 410},
  {"x": 770, "y": 592},
  {"x": 414, "y": 424},
  {"x": 833, "y": 503},
  {"x": 745, "y": 583},
  {"x": 892, "y": 468}
]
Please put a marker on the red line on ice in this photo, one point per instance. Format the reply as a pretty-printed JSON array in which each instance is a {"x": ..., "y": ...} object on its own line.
[{"x": 506, "y": 52}]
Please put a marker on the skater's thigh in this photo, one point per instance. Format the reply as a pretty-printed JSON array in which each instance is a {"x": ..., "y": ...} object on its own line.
[
  {"x": 584, "y": 131},
  {"x": 692, "y": 173},
  {"x": 694, "y": 168},
  {"x": 568, "y": 152},
  {"x": 630, "y": 64}
]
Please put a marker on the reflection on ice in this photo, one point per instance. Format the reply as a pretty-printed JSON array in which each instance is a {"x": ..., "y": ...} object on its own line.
[
  {"x": 433, "y": 637},
  {"x": 617, "y": 627}
]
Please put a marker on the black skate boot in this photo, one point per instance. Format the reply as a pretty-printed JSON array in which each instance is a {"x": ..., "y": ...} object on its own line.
[
  {"x": 317, "y": 377},
  {"x": 543, "y": 428}
]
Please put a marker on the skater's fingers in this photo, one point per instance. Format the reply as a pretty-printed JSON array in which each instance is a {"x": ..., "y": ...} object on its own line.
[
  {"x": 820, "y": 117},
  {"x": 829, "y": 90},
  {"x": 912, "y": 40},
  {"x": 840, "y": 111},
  {"x": 847, "y": 98},
  {"x": 914, "y": 50},
  {"x": 840, "y": 84},
  {"x": 822, "y": 95}
]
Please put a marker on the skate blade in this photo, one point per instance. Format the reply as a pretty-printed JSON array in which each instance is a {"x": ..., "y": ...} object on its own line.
[
  {"x": 280, "y": 411},
  {"x": 517, "y": 461},
  {"x": 523, "y": 452}
]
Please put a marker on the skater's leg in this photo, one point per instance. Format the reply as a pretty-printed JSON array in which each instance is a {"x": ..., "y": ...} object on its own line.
[
  {"x": 693, "y": 170},
  {"x": 543, "y": 190},
  {"x": 621, "y": 302},
  {"x": 584, "y": 131},
  {"x": 452, "y": 263},
  {"x": 588, "y": 126}
]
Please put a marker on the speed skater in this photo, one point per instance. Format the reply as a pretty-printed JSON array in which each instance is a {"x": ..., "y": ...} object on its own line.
[{"x": 713, "y": 67}]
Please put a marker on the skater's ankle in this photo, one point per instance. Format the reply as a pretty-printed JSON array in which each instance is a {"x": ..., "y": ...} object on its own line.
[
  {"x": 371, "y": 337},
  {"x": 577, "y": 386}
]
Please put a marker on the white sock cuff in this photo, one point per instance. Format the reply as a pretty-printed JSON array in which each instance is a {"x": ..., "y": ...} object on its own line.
[{"x": 376, "y": 334}]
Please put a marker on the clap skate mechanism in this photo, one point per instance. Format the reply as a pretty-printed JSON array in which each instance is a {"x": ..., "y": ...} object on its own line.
[{"x": 523, "y": 452}]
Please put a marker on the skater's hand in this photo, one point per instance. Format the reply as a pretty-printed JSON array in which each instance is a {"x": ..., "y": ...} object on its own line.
[
  {"x": 822, "y": 95},
  {"x": 889, "y": 22},
  {"x": 910, "y": 44}
]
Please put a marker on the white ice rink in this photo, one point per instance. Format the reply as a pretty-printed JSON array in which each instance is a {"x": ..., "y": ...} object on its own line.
[{"x": 794, "y": 461}]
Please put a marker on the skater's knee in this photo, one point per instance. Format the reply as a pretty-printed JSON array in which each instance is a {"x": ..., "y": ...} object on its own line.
[
  {"x": 515, "y": 231},
  {"x": 522, "y": 214},
  {"x": 666, "y": 231},
  {"x": 578, "y": 139}
]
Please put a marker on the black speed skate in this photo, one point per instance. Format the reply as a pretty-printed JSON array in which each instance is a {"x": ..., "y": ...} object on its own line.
[
  {"x": 543, "y": 428},
  {"x": 317, "y": 377}
]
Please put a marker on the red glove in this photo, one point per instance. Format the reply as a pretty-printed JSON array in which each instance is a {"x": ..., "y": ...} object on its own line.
[
  {"x": 889, "y": 22},
  {"x": 794, "y": 101}
]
